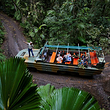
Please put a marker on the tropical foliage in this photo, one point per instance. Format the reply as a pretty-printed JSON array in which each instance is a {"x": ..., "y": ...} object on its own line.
[
  {"x": 66, "y": 99},
  {"x": 2, "y": 33},
  {"x": 17, "y": 92},
  {"x": 70, "y": 21}
]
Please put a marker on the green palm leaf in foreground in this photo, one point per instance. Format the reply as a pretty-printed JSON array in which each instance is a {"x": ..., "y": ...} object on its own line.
[
  {"x": 66, "y": 99},
  {"x": 16, "y": 88}
]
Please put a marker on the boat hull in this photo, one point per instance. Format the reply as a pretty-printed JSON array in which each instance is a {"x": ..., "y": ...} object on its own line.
[{"x": 53, "y": 67}]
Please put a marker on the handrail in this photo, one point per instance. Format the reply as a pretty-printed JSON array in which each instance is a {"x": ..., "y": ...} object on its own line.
[
  {"x": 75, "y": 47},
  {"x": 43, "y": 48}
]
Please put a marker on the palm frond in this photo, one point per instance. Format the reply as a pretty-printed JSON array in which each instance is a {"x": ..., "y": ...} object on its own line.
[
  {"x": 17, "y": 90},
  {"x": 67, "y": 99},
  {"x": 45, "y": 93}
]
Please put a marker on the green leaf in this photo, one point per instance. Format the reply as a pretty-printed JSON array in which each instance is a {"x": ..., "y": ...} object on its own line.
[
  {"x": 42, "y": 26},
  {"x": 45, "y": 93},
  {"x": 82, "y": 39},
  {"x": 50, "y": 12},
  {"x": 36, "y": 30},
  {"x": 42, "y": 36},
  {"x": 66, "y": 99},
  {"x": 16, "y": 88},
  {"x": 31, "y": 34},
  {"x": 81, "y": 25}
]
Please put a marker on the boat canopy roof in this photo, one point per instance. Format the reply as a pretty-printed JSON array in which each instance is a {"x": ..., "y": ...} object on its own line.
[{"x": 73, "y": 47}]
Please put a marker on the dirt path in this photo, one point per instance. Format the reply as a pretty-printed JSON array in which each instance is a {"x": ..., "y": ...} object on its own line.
[
  {"x": 97, "y": 85},
  {"x": 94, "y": 85},
  {"x": 13, "y": 38}
]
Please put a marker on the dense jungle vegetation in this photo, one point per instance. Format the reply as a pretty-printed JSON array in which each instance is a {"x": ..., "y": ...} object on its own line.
[
  {"x": 71, "y": 21},
  {"x": 2, "y": 33}
]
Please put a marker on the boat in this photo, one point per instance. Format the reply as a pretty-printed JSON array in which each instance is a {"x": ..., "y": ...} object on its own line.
[{"x": 71, "y": 59}]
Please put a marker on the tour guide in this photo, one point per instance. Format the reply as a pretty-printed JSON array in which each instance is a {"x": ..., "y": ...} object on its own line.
[{"x": 30, "y": 46}]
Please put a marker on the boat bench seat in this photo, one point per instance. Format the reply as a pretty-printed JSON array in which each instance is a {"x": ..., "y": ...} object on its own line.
[
  {"x": 84, "y": 53},
  {"x": 53, "y": 57},
  {"x": 69, "y": 62},
  {"x": 94, "y": 59},
  {"x": 75, "y": 61}
]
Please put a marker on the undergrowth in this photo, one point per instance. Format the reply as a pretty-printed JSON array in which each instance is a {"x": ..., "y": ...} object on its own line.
[{"x": 2, "y": 33}]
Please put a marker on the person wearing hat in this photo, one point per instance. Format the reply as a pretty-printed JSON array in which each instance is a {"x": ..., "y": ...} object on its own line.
[{"x": 30, "y": 46}]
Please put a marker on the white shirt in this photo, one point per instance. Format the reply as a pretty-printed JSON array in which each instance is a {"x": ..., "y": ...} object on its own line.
[
  {"x": 30, "y": 46},
  {"x": 45, "y": 54},
  {"x": 69, "y": 58},
  {"x": 59, "y": 59}
]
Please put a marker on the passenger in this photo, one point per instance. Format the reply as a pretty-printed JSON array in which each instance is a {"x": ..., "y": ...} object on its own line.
[
  {"x": 59, "y": 52},
  {"x": 83, "y": 56},
  {"x": 43, "y": 57},
  {"x": 82, "y": 61},
  {"x": 59, "y": 59},
  {"x": 49, "y": 57},
  {"x": 64, "y": 60},
  {"x": 65, "y": 56},
  {"x": 69, "y": 57},
  {"x": 30, "y": 46},
  {"x": 73, "y": 55},
  {"x": 86, "y": 61},
  {"x": 72, "y": 58},
  {"x": 45, "y": 54}
]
